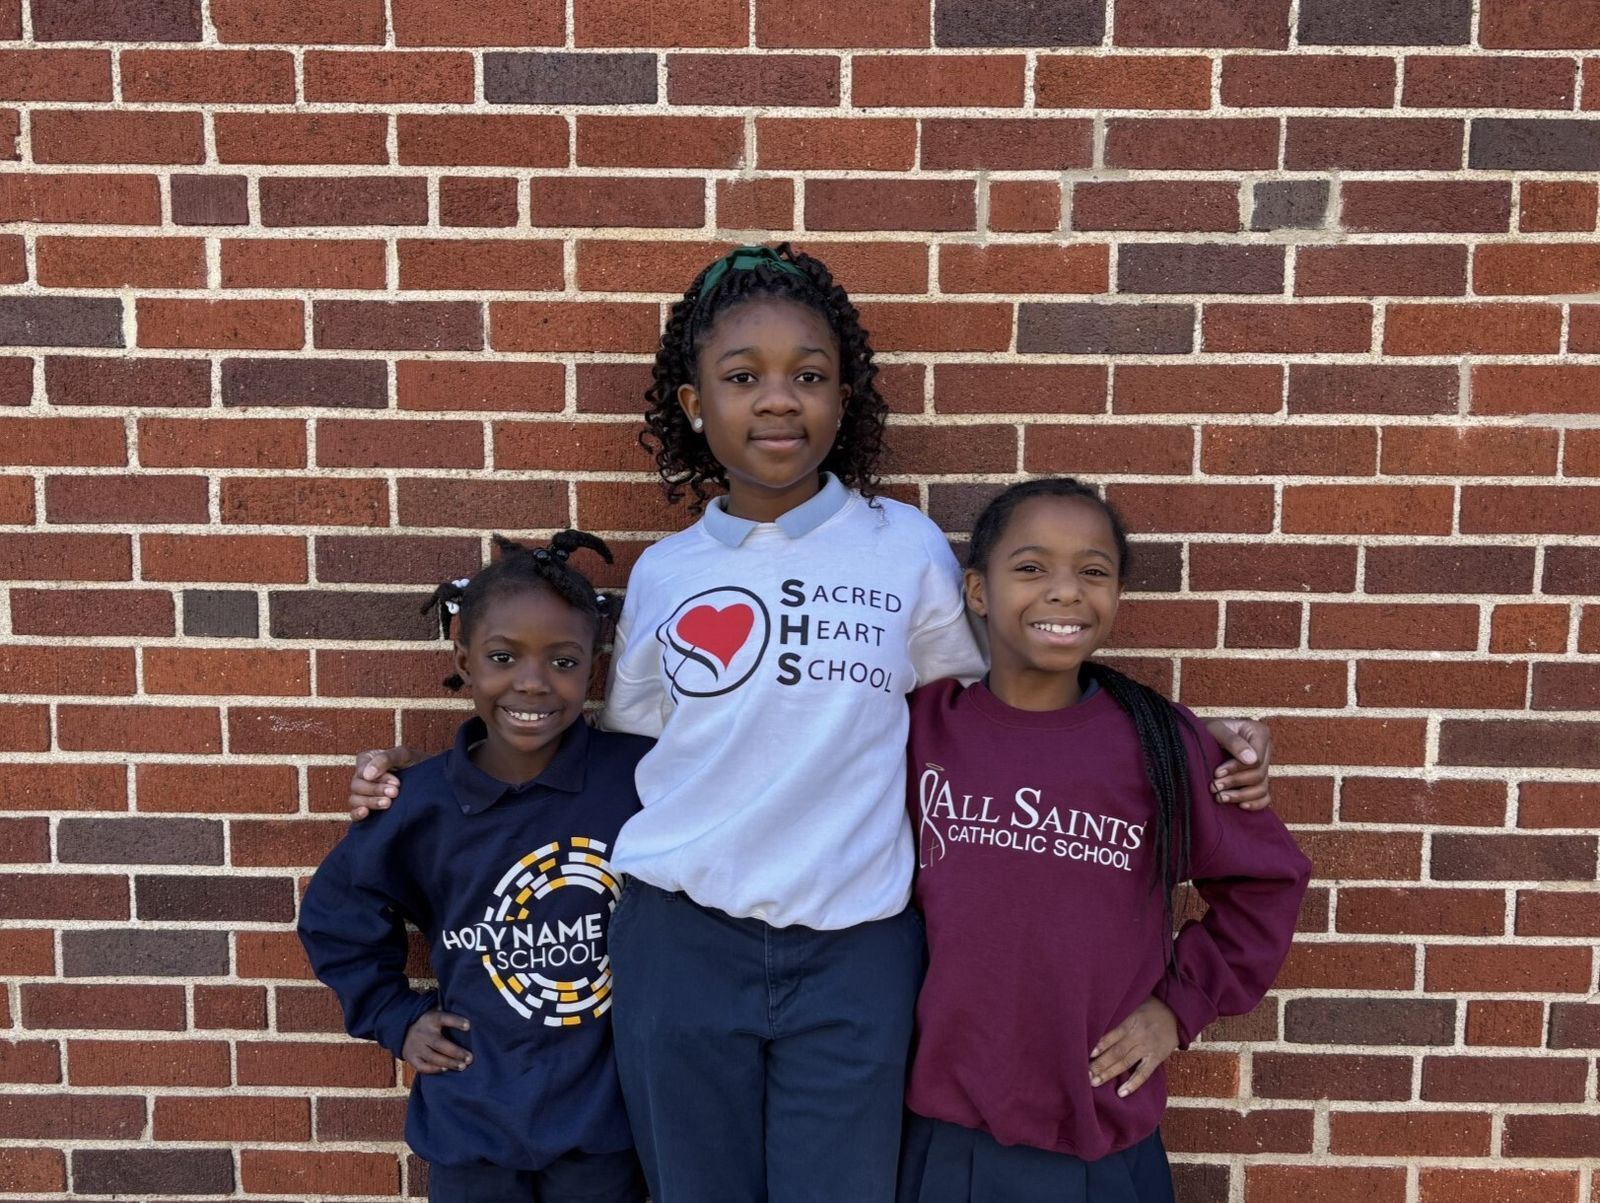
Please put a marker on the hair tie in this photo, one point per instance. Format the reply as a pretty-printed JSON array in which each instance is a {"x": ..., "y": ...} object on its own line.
[
  {"x": 453, "y": 604},
  {"x": 541, "y": 555},
  {"x": 560, "y": 553}
]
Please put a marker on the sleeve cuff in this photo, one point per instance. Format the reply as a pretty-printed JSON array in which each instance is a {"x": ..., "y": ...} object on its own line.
[
  {"x": 1191, "y": 1007},
  {"x": 391, "y": 1031}
]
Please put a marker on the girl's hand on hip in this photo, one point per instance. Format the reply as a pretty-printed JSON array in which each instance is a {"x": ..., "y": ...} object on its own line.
[
  {"x": 428, "y": 1050},
  {"x": 1242, "y": 779},
  {"x": 1140, "y": 1043},
  {"x": 373, "y": 786}
]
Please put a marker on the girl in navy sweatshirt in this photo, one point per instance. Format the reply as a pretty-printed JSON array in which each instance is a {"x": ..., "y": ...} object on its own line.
[
  {"x": 1057, "y": 805},
  {"x": 499, "y": 850}
]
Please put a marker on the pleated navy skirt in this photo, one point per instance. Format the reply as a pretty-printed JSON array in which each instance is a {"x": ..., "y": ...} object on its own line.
[{"x": 946, "y": 1163}]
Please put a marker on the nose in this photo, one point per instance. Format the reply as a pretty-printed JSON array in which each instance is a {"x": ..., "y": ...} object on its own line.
[
  {"x": 777, "y": 397},
  {"x": 1062, "y": 586},
  {"x": 530, "y": 677}
]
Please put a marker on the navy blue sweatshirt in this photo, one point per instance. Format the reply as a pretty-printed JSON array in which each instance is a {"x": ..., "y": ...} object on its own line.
[{"x": 513, "y": 888}]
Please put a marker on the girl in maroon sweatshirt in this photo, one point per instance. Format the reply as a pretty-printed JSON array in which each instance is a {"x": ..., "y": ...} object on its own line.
[{"x": 1057, "y": 805}]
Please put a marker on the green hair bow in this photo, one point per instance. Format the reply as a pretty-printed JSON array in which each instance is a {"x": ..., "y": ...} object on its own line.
[{"x": 743, "y": 259}]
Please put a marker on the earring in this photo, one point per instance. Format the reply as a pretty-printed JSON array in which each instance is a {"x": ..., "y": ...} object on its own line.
[{"x": 698, "y": 425}]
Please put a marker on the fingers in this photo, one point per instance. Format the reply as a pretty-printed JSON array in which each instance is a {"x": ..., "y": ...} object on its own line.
[
  {"x": 1234, "y": 740},
  {"x": 1147, "y": 1066},
  {"x": 449, "y": 1020},
  {"x": 1114, "y": 1061},
  {"x": 447, "y": 1053}
]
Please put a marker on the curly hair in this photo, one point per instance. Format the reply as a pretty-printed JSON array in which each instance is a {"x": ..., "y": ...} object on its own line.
[{"x": 683, "y": 457}]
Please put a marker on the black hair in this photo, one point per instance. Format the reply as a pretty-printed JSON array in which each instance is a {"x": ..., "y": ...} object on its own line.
[
  {"x": 1157, "y": 723},
  {"x": 518, "y": 568},
  {"x": 683, "y": 457}
]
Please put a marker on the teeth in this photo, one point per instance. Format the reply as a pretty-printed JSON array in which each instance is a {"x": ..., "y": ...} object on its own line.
[
  {"x": 529, "y": 716},
  {"x": 1057, "y": 628}
]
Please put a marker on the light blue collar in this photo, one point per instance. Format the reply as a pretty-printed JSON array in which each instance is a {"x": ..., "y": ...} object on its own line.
[{"x": 798, "y": 522}]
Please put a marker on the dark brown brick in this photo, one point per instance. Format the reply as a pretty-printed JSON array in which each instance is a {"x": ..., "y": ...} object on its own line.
[
  {"x": 769, "y": 81},
  {"x": 210, "y": 200},
  {"x": 91, "y": 612},
  {"x": 234, "y": 898},
  {"x": 135, "y": 952},
  {"x": 1369, "y": 1021},
  {"x": 1574, "y": 1025},
  {"x": 1105, "y": 329},
  {"x": 1503, "y": 1080},
  {"x": 118, "y": 380},
  {"x": 309, "y": 614},
  {"x": 293, "y": 382},
  {"x": 893, "y": 204},
  {"x": 1571, "y": 570},
  {"x": 399, "y": 325},
  {"x": 62, "y": 896},
  {"x": 1531, "y": 743},
  {"x": 220, "y": 613},
  {"x": 57, "y": 321},
  {"x": 395, "y": 559},
  {"x": 1441, "y": 567},
  {"x": 1156, "y": 205},
  {"x": 1535, "y": 144},
  {"x": 1373, "y": 144},
  {"x": 480, "y": 505},
  {"x": 123, "y": 21},
  {"x": 139, "y": 841},
  {"x": 1505, "y": 857},
  {"x": 512, "y": 77},
  {"x": 1192, "y": 143},
  {"x": 1166, "y": 267},
  {"x": 360, "y": 1118},
  {"x": 153, "y": 1171},
  {"x": 1259, "y": 24},
  {"x": 1005, "y": 143},
  {"x": 1550, "y": 1136},
  {"x": 344, "y": 201},
  {"x": 1018, "y": 23},
  {"x": 466, "y": 200},
  {"x": 1385, "y": 22},
  {"x": 1329, "y": 1076},
  {"x": 1290, "y": 205},
  {"x": 1373, "y": 388},
  {"x": 146, "y": 500},
  {"x": 1566, "y": 687}
]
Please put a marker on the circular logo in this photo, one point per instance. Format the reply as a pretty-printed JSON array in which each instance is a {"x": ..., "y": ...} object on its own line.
[
  {"x": 549, "y": 959},
  {"x": 714, "y": 641}
]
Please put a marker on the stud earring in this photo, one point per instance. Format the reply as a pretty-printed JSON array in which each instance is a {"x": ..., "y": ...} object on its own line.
[{"x": 698, "y": 425}]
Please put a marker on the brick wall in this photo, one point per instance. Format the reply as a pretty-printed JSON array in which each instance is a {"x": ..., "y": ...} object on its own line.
[{"x": 300, "y": 299}]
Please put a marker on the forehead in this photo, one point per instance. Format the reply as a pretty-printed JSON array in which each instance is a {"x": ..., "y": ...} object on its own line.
[
  {"x": 771, "y": 322},
  {"x": 531, "y": 614},
  {"x": 1057, "y": 522}
]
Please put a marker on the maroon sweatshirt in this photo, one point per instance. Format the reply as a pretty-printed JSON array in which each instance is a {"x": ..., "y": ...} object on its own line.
[{"x": 1034, "y": 842}]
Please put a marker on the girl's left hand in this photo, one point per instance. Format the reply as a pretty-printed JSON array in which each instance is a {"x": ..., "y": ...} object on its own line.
[
  {"x": 1243, "y": 779},
  {"x": 1141, "y": 1042}
]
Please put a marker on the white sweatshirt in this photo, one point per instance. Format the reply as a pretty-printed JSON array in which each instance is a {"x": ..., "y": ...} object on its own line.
[{"x": 772, "y": 661}]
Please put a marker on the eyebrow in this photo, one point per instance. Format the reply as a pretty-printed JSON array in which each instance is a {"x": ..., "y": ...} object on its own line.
[
  {"x": 1035, "y": 549},
  {"x": 823, "y": 351}
]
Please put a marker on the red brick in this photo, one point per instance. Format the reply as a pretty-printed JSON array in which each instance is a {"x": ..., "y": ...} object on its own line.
[
  {"x": 398, "y": 325},
  {"x": 1007, "y": 143},
  {"x": 1443, "y": 802},
  {"x": 1461, "y": 82},
  {"x": 1373, "y": 144},
  {"x": 1198, "y": 205},
  {"x": 1505, "y": 1024},
  {"x": 938, "y": 326},
  {"x": 72, "y": 136},
  {"x": 1497, "y": 1186},
  {"x": 1324, "y": 1184},
  {"x": 216, "y": 788},
  {"x": 840, "y": 144},
  {"x": 245, "y": 672},
  {"x": 24, "y": 728},
  {"x": 1291, "y": 329},
  {"x": 147, "y": 1063},
  {"x": 254, "y": 559},
  {"x": 1117, "y": 81},
  {"x": 354, "y": 21},
  {"x": 1019, "y": 388},
  {"x": 1534, "y": 389},
  {"x": 1241, "y": 388},
  {"x": 466, "y": 200},
  {"x": 491, "y": 140},
  {"x": 301, "y": 138},
  {"x": 1024, "y": 205},
  {"x": 622, "y": 506},
  {"x": 1558, "y": 205},
  {"x": 36, "y": 669},
  {"x": 71, "y": 787},
  {"x": 1183, "y": 507},
  {"x": 221, "y": 443},
  {"x": 1266, "y": 450},
  {"x": 1566, "y": 687},
  {"x": 344, "y": 201},
  {"x": 1429, "y": 206},
  {"x": 305, "y": 1173},
  {"x": 377, "y": 675},
  {"x": 1256, "y": 684},
  {"x": 380, "y": 443},
  {"x": 303, "y": 263},
  {"x": 241, "y": 1119},
  {"x": 573, "y": 326},
  {"x": 1324, "y": 81},
  {"x": 1192, "y": 143},
  {"x": 1086, "y": 449},
  {"x": 293, "y": 1063},
  {"x": 658, "y": 142},
  {"x": 1421, "y": 911},
  {"x": 1483, "y": 329},
  {"x": 697, "y": 23},
  {"x": 305, "y": 501},
  {"x": 937, "y": 81},
  {"x": 1012, "y": 268},
  {"x": 1582, "y": 454},
  {"x": 1558, "y": 804},
  {"x": 147, "y": 500},
  {"x": 563, "y": 446},
  {"x": 388, "y": 77},
  {"x": 1272, "y": 568},
  {"x": 144, "y": 729},
  {"x": 80, "y": 198},
  {"x": 1547, "y": 25},
  {"x": 761, "y": 204},
  {"x": 448, "y": 23},
  {"x": 13, "y": 261},
  {"x": 289, "y": 730},
  {"x": 1502, "y": 1079},
  {"x": 260, "y": 324},
  {"x": 91, "y": 612},
  {"x": 1468, "y": 451},
  {"x": 1529, "y": 628},
  {"x": 1364, "y": 966},
  {"x": 1261, "y": 1129},
  {"x": 481, "y": 264},
  {"x": 1531, "y": 509},
  {"x": 1440, "y": 685},
  {"x": 294, "y": 843},
  {"x": 627, "y": 201},
  {"x": 1563, "y": 913},
  {"x": 794, "y": 23},
  {"x": 789, "y": 81},
  {"x": 208, "y": 76},
  {"x": 1543, "y": 970},
  {"x": 35, "y": 1061},
  {"x": 16, "y": 500},
  {"x": 1376, "y": 1134},
  {"x": 63, "y": 896},
  {"x": 1537, "y": 270},
  {"x": 890, "y": 205},
  {"x": 434, "y": 384},
  {"x": 1541, "y": 743},
  {"x": 55, "y": 75},
  {"x": 119, "y": 262},
  {"x": 1380, "y": 270},
  {"x": 52, "y": 557},
  {"x": 1165, "y": 623},
  {"x": 1261, "y": 24},
  {"x": 64, "y": 442},
  {"x": 1412, "y": 627},
  {"x": 43, "y": 1170}
]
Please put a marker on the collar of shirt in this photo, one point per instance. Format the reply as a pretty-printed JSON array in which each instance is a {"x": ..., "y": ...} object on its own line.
[
  {"x": 476, "y": 791},
  {"x": 798, "y": 522}
]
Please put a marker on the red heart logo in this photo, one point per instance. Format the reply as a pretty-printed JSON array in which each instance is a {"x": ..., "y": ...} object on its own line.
[{"x": 720, "y": 632}]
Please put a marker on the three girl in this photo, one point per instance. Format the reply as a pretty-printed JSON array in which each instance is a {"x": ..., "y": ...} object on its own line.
[{"x": 765, "y": 958}]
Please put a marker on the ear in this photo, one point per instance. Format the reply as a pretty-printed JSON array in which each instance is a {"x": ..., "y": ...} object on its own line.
[
  {"x": 972, "y": 582},
  {"x": 460, "y": 662},
  {"x": 689, "y": 401}
]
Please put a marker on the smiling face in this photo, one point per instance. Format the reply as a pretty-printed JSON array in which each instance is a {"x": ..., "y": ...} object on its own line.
[
  {"x": 526, "y": 662},
  {"x": 769, "y": 392},
  {"x": 1048, "y": 595}
]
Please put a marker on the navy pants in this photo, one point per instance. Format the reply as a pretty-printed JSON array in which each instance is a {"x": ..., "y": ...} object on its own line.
[
  {"x": 762, "y": 1064},
  {"x": 946, "y": 1163},
  {"x": 575, "y": 1178}
]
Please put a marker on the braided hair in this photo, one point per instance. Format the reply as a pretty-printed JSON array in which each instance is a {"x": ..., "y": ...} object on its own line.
[
  {"x": 519, "y": 568},
  {"x": 683, "y": 457},
  {"x": 1158, "y": 724}
]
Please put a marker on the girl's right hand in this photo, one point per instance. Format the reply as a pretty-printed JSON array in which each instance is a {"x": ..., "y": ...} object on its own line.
[{"x": 374, "y": 786}]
